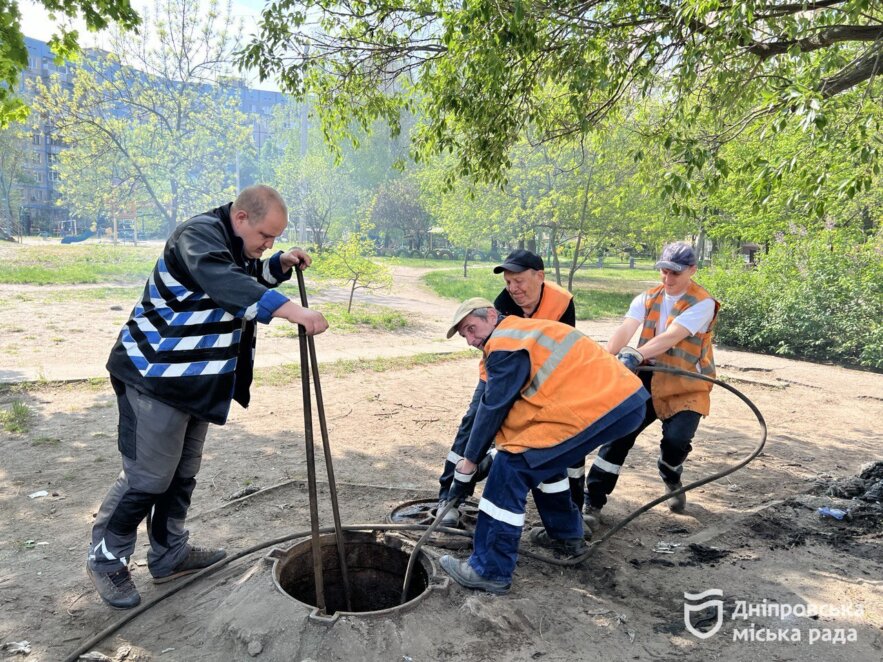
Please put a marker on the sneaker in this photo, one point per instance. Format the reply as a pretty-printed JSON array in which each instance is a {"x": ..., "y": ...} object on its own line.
[
  {"x": 677, "y": 503},
  {"x": 465, "y": 575},
  {"x": 197, "y": 559},
  {"x": 574, "y": 547},
  {"x": 451, "y": 518},
  {"x": 116, "y": 588},
  {"x": 591, "y": 517}
]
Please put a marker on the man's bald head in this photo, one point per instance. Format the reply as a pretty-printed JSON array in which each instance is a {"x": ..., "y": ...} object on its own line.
[{"x": 257, "y": 200}]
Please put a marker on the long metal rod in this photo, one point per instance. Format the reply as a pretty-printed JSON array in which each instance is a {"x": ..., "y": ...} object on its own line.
[
  {"x": 311, "y": 470},
  {"x": 326, "y": 448}
]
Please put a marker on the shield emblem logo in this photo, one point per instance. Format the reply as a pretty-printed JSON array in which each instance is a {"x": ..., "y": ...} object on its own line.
[{"x": 690, "y": 608}]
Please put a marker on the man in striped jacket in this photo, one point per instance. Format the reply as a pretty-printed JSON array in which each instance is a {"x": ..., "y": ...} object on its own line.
[
  {"x": 552, "y": 396},
  {"x": 186, "y": 352},
  {"x": 676, "y": 320}
]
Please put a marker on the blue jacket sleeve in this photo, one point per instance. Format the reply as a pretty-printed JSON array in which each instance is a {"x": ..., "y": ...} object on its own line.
[{"x": 507, "y": 373}]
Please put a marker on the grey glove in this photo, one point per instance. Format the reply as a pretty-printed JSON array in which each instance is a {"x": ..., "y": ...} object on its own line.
[
  {"x": 460, "y": 486},
  {"x": 630, "y": 358}
]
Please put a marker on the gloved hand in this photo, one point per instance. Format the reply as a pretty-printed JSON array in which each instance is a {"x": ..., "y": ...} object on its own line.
[
  {"x": 484, "y": 467},
  {"x": 630, "y": 358}
]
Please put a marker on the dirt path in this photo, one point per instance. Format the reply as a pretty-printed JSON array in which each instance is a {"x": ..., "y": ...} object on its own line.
[{"x": 756, "y": 536}]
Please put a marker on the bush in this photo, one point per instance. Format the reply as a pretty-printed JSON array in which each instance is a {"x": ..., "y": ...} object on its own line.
[{"x": 818, "y": 297}]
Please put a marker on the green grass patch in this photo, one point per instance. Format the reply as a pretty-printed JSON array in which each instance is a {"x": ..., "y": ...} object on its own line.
[
  {"x": 17, "y": 418},
  {"x": 56, "y": 264},
  {"x": 46, "y": 441},
  {"x": 599, "y": 293},
  {"x": 360, "y": 318},
  {"x": 289, "y": 373}
]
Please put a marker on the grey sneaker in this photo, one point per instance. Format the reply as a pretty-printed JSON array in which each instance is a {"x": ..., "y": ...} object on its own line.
[
  {"x": 591, "y": 516},
  {"x": 465, "y": 575},
  {"x": 677, "y": 503},
  {"x": 452, "y": 517},
  {"x": 116, "y": 588},
  {"x": 574, "y": 547},
  {"x": 197, "y": 559}
]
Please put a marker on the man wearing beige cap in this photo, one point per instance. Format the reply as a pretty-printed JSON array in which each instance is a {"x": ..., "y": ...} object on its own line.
[
  {"x": 552, "y": 395},
  {"x": 527, "y": 294}
]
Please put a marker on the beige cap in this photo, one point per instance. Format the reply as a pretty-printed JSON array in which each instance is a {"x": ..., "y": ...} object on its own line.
[{"x": 465, "y": 310}]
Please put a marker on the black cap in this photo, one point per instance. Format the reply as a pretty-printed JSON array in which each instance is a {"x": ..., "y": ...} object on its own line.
[{"x": 519, "y": 260}]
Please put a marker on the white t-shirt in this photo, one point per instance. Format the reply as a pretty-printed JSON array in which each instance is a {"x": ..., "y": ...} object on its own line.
[{"x": 695, "y": 319}]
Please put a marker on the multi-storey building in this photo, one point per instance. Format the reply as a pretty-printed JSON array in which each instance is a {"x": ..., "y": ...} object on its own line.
[{"x": 39, "y": 195}]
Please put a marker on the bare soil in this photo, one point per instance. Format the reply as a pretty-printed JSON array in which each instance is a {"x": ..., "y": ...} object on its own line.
[{"x": 756, "y": 534}]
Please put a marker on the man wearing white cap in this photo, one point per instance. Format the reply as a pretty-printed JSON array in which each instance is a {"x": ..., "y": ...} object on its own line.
[
  {"x": 527, "y": 294},
  {"x": 552, "y": 396},
  {"x": 676, "y": 320}
]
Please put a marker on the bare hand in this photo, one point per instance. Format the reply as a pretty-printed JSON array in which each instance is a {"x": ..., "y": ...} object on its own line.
[
  {"x": 295, "y": 257},
  {"x": 314, "y": 323}
]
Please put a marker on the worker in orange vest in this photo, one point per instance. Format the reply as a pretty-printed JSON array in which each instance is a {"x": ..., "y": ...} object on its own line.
[{"x": 676, "y": 319}]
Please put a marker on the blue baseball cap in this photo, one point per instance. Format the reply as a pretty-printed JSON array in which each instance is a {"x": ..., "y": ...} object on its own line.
[{"x": 676, "y": 257}]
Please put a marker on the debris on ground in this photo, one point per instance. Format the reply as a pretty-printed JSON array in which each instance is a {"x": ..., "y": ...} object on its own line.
[{"x": 23, "y": 647}]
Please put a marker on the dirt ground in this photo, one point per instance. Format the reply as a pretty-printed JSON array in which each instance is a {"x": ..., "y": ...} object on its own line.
[{"x": 755, "y": 535}]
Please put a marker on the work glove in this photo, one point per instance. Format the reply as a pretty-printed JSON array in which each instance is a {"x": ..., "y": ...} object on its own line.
[
  {"x": 461, "y": 486},
  {"x": 630, "y": 358}
]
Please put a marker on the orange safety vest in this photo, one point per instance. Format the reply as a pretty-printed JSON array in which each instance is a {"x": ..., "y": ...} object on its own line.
[
  {"x": 573, "y": 383},
  {"x": 672, "y": 393},
  {"x": 554, "y": 301}
]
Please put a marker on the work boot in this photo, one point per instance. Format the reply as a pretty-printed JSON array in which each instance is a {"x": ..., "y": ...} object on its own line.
[
  {"x": 677, "y": 503},
  {"x": 570, "y": 547},
  {"x": 116, "y": 588},
  {"x": 452, "y": 517},
  {"x": 197, "y": 559},
  {"x": 465, "y": 575},
  {"x": 591, "y": 516}
]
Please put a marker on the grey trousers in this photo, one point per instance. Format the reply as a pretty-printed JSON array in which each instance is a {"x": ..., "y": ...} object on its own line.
[{"x": 161, "y": 450}]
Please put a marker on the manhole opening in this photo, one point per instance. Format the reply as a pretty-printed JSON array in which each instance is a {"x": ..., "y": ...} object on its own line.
[{"x": 376, "y": 573}]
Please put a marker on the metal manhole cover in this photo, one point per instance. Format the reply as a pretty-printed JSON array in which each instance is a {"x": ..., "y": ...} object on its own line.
[{"x": 423, "y": 511}]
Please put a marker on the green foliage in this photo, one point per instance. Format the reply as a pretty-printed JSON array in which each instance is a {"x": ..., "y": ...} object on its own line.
[
  {"x": 818, "y": 297},
  {"x": 97, "y": 15},
  {"x": 17, "y": 418},
  {"x": 349, "y": 263},
  {"x": 483, "y": 75},
  {"x": 54, "y": 264}
]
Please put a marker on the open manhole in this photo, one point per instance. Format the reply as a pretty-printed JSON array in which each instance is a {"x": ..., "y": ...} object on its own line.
[
  {"x": 376, "y": 566},
  {"x": 423, "y": 511}
]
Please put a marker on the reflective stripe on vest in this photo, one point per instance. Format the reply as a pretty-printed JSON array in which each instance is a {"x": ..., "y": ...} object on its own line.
[{"x": 554, "y": 302}]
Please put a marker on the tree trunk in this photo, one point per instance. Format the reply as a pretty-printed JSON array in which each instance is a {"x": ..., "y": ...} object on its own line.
[{"x": 349, "y": 305}]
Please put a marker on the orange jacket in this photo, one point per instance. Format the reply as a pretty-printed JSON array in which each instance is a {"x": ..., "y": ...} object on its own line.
[
  {"x": 573, "y": 383},
  {"x": 672, "y": 393}
]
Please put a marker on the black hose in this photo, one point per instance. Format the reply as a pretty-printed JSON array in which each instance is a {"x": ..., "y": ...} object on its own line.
[
  {"x": 576, "y": 560},
  {"x": 186, "y": 581}
]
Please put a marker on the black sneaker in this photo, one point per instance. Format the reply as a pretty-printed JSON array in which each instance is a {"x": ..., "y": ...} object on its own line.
[
  {"x": 197, "y": 559},
  {"x": 116, "y": 588},
  {"x": 574, "y": 547}
]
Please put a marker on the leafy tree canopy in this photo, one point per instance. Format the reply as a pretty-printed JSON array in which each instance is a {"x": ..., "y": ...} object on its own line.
[
  {"x": 97, "y": 14},
  {"x": 481, "y": 72}
]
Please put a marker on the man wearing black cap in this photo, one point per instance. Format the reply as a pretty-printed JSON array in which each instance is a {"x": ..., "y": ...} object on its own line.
[
  {"x": 676, "y": 320},
  {"x": 526, "y": 295}
]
